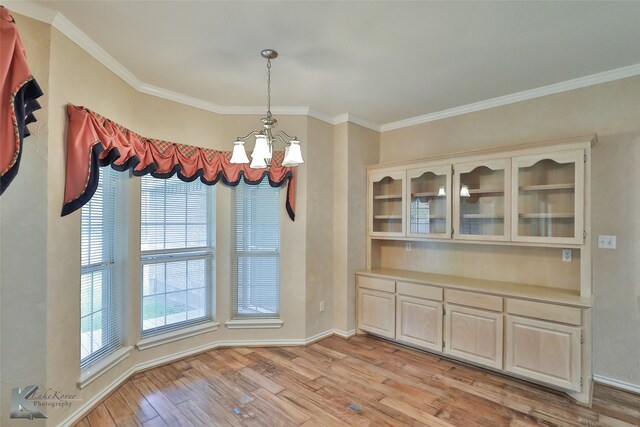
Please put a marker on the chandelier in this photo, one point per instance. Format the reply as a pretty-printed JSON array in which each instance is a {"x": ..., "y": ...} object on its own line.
[{"x": 266, "y": 138}]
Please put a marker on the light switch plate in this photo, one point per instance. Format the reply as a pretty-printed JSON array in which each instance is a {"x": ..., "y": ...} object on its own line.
[
  {"x": 606, "y": 242},
  {"x": 407, "y": 247},
  {"x": 567, "y": 256}
]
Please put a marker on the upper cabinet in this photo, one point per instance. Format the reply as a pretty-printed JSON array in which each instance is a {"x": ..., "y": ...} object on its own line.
[
  {"x": 526, "y": 195},
  {"x": 481, "y": 200},
  {"x": 429, "y": 202},
  {"x": 548, "y": 193},
  {"x": 387, "y": 203}
]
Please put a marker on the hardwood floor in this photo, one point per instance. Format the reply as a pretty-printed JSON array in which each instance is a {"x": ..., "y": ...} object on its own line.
[{"x": 335, "y": 382}]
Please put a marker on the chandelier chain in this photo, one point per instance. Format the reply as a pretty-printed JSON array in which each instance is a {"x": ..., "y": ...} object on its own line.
[{"x": 268, "y": 87}]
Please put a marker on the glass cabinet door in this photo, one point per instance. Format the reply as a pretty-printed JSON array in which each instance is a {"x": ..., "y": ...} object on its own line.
[
  {"x": 481, "y": 200},
  {"x": 548, "y": 197},
  {"x": 386, "y": 204},
  {"x": 429, "y": 202}
]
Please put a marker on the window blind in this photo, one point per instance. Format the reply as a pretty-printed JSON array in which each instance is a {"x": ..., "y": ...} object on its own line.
[
  {"x": 256, "y": 251},
  {"x": 177, "y": 246},
  {"x": 100, "y": 291}
]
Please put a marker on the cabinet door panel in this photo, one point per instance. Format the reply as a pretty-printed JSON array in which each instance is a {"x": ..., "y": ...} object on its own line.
[
  {"x": 429, "y": 202},
  {"x": 481, "y": 200},
  {"x": 544, "y": 351},
  {"x": 376, "y": 312},
  {"x": 548, "y": 197},
  {"x": 419, "y": 322},
  {"x": 475, "y": 335},
  {"x": 387, "y": 203}
]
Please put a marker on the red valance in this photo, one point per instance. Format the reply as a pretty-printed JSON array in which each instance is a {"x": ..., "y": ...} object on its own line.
[
  {"x": 18, "y": 94},
  {"x": 93, "y": 141}
]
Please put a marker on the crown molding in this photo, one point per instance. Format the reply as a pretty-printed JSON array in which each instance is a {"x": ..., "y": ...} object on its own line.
[
  {"x": 62, "y": 24},
  {"x": 581, "y": 82}
]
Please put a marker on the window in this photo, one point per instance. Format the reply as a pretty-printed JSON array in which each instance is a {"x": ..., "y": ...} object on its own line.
[
  {"x": 256, "y": 251},
  {"x": 100, "y": 289},
  {"x": 177, "y": 245}
]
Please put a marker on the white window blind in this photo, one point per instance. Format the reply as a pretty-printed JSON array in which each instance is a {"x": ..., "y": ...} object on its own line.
[
  {"x": 100, "y": 290},
  {"x": 177, "y": 246},
  {"x": 256, "y": 251}
]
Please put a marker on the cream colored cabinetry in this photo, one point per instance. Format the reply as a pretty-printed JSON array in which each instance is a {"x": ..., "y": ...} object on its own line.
[
  {"x": 489, "y": 229},
  {"x": 429, "y": 202},
  {"x": 376, "y": 306},
  {"x": 474, "y": 331},
  {"x": 548, "y": 197},
  {"x": 542, "y": 348},
  {"x": 387, "y": 203},
  {"x": 419, "y": 315},
  {"x": 481, "y": 200}
]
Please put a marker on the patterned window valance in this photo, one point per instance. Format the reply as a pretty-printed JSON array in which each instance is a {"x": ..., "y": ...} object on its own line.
[
  {"x": 93, "y": 141},
  {"x": 18, "y": 94}
]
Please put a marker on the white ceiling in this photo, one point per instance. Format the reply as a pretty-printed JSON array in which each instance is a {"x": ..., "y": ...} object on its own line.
[{"x": 382, "y": 61}]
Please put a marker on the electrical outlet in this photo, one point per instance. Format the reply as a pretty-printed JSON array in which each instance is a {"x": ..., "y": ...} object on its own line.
[
  {"x": 407, "y": 246},
  {"x": 321, "y": 306},
  {"x": 606, "y": 242},
  {"x": 566, "y": 255}
]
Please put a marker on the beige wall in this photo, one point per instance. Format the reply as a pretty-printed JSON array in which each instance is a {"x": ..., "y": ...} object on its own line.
[
  {"x": 319, "y": 251},
  {"x": 612, "y": 111},
  {"x": 355, "y": 147},
  {"x": 23, "y": 256}
]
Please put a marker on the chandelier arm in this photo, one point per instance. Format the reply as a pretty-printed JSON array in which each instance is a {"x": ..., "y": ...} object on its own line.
[
  {"x": 244, "y": 138},
  {"x": 288, "y": 137}
]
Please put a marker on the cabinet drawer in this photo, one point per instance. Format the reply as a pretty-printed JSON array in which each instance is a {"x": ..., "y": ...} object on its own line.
[
  {"x": 487, "y": 302},
  {"x": 420, "y": 291},
  {"x": 384, "y": 285},
  {"x": 539, "y": 310}
]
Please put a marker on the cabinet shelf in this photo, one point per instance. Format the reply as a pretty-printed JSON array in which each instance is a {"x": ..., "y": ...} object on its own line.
[
  {"x": 388, "y": 197},
  {"x": 482, "y": 216},
  {"x": 427, "y": 194},
  {"x": 540, "y": 215},
  {"x": 545, "y": 187},
  {"x": 486, "y": 191},
  {"x": 388, "y": 217}
]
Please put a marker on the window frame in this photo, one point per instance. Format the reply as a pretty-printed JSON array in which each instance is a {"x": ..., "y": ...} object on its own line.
[
  {"x": 166, "y": 256},
  {"x": 111, "y": 268},
  {"x": 236, "y": 254}
]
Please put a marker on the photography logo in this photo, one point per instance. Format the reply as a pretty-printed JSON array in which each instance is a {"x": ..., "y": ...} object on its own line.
[{"x": 21, "y": 406}]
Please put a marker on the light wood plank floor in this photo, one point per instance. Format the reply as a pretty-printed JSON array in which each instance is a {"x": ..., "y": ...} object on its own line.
[{"x": 387, "y": 384}]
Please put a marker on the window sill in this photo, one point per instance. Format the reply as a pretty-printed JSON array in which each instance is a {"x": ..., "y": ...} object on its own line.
[
  {"x": 91, "y": 373},
  {"x": 254, "y": 324},
  {"x": 178, "y": 334}
]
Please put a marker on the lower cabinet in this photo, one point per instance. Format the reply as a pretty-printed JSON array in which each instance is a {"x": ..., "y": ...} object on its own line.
[
  {"x": 544, "y": 351},
  {"x": 537, "y": 340},
  {"x": 474, "y": 334},
  {"x": 376, "y": 312},
  {"x": 419, "y": 322}
]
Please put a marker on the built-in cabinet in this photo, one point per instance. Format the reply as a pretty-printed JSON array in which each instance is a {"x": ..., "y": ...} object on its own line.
[
  {"x": 521, "y": 205},
  {"x": 536, "y": 198},
  {"x": 541, "y": 341}
]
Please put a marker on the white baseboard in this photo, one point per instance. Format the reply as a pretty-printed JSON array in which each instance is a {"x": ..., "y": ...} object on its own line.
[
  {"x": 81, "y": 411},
  {"x": 633, "y": 388},
  {"x": 344, "y": 334}
]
